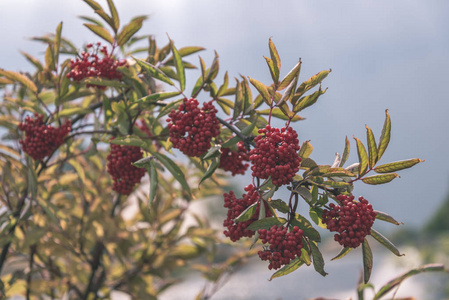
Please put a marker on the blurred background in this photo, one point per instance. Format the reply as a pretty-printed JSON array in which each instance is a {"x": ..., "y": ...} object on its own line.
[{"x": 383, "y": 55}]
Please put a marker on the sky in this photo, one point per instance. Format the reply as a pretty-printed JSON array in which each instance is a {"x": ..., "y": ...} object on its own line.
[{"x": 383, "y": 54}]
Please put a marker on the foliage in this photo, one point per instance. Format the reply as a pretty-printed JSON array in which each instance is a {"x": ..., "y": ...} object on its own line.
[{"x": 63, "y": 226}]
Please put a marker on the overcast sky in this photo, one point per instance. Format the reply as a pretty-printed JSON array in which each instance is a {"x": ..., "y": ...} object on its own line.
[{"x": 383, "y": 55}]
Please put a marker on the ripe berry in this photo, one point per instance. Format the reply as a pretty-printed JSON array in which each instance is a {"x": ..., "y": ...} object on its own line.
[
  {"x": 276, "y": 155},
  {"x": 283, "y": 246},
  {"x": 90, "y": 65},
  {"x": 236, "y": 230},
  {"x": 233, "y": 161},
  {"x": 41, "y": 139},
  {"x": 124, "y": 174},
  {"x": 352, "y": 220},
  {"x": 191, "y": 128}
]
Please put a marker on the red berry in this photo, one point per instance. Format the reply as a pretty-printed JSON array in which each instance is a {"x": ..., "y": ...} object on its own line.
[
  {"x": 41, "y": 140},
  {"x": 191, "y": 128},
  {"x": 233, "y": 161},
  {"x": 237, "y": 230},
  {"x": 124, "y": 174},
  {"x": 352, "y": 220},
  {"x": 276, "y": 155},
  {"x": 283, "y": 246}
]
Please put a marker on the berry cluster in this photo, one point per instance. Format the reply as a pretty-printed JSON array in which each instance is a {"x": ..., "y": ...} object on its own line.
[
  {"x": 233, "y": 161},
  {"x": 125, "y": 175},
  {"x": 90, "y": 65},
  {"x": 235, "y": 207},
  {"x": 284, "y": 246},
  {"x": 191, "y": 128},
  {"x": 276, "y": 155},
  {"x": 41, "y": 139},
  {"x": 352, "y": 220}
]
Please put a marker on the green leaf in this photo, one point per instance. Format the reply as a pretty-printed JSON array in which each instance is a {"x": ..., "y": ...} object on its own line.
[
  {"x": 212, "y": 167},
  {"x": 384, "y": 137},
  {"x": 224, "y": 86},
  {"x": 306, "y": 227},
  {"x": 397, "y": 165},
  {"x": 346, "y": 151},
  {"x": 385, "y": 242},
  {"x": 101, "y": 32},
  {"x": 363, "y": 157},
  {"x": 156, "y": 97},
  {"x": 168, "y": 108},
  {"x": 266, "y": 223},
  {"x": 379, "y": 179},
  {"x": 304, "y": 192},
  {"x": 278, "y": 113},
  {"x": 290, "y": 76},
  {"x": 50, "y": 58},
  {"x": 16, "y": 77},
  {"x": 342, "y": 253},
  {"x": 287, "y": 269},
  {"x": 367, "y": 261},
  {"x": 114, "y": 14},
  {"x": 153, "y": 71},
  {"x": 280, "y": 205},
  {"x": 91, "y": 20},
  {"x": 288, "y": 93},
  {"x": 247, "y": 214},
  {"x": 398, "y": 280},
  {"x": 129, "y": 140},
  {"x": 247, "y": 96},
  {"x": 31, "y": 178},
  {"x": 79, "y": 169},
  {"x": 372, "y": 147},
  {"x": 57, "y": 42},
  {"x": 33, "y": 60},
  {"x": 275, "y": 66},
  {"x": 173, "y": 168},
  {"x": 225, "y": 104},
  {"x": 66, "y": 112},
  {"x": 213, "y": 70},
  {"x": 308, "y": 100},
  {"x": 311, "y": 82},
  {"x": 238, "y": 103},
  {"x": 153, "y": 181},
  {"x": 93, "y": 4},
  {"x": 305, "y": 150},
  {"x": 308, "y": 163},
  {"x": 129, "y": 30},
  {"x": 262, "y": 89},
  {"x": 318, "y": 261},
  {"x": 386, "y": 217},
  {"x": 180, "y": 71},
  {"x": 103, "y": 82}
]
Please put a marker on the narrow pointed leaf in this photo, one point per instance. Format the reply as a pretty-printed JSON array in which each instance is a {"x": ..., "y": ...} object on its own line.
[
  {"x": 288, "y": 91},
  {"x": 238, "y": 103},
  {"x": 308, "y": 100},
  {"x": 385, "y": 136},
  {"x": 342, "y": 253},
  {"x": 19, "y": 78},
  {"x": 247, "y": 96},
  {"x": 385, "y": 242},
  {"x": 33, "y": 60},
  {"x": 305, "y": 150},
  {"x": 312, "y": 82},
  {"x": 129, "y": 30},
  {"x": 397, "y": 166},
  {"x": 50, "y": 58},
  {"x": 224, "y": 86},
  {"x": 290, "y": 76},
  {"x": 210, "y": 170},
  {"x": 272, "y": 68},
  {"x": 247, "y": 214},
  {"x": 345, "y": 154},
  {"x": 173, "y": 168},
  {"x": 276, "y": 61},
  {"x": 105, "y": 17},
  {"x": 262, "y": 89},
  {"x": 93, "y": 4},
  {"x": 386, "y": 217},
  {"x": 278, "y": 113},
  {"x": 157, "y": 97},
  {"x": 180, "y": 71},
  {"x": 379, "y": 179},
  {"x": 153, "y": 71},
  {"x": 287, "y": 269},
  {"x": 102, "y": 82},
  {"x": 213, "y": 70},
  {"x": 57, "y": 42},
  {"x": 307, "y": 228},
  {"x": 101, "y": 32},
  {"x": 363, "y": 157},
  {"x": 114, "y": 15},
  {"x": 367, "y": 261},
  {"x": 266, "y": 223},
  {"x": 318, "y": 261},
  {"x": 372, "y": 147}
]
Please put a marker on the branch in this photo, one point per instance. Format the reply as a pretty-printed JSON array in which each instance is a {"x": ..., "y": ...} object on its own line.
[{"x": 237, "y": 132}]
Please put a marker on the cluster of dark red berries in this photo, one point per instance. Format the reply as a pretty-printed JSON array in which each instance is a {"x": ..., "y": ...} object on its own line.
[
  {"x": 237, "y": 230},
  {"x": 191, "y": 128},
  {"x": 41, "y": 139},
  {"x": 276, "y": 155},
  {"x": 352, "y": 220},
  {"x": 235, "y": 161},
  {"x": 125, "y": 175},
  {"x": 91, "y": 65},
  {"x": 284, "y": 246}
]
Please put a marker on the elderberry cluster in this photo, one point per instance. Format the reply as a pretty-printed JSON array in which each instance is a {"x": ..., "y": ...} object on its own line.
[
  {"x": 234, "y": 161},
  {"x": 124, "y": 174},
  {"x": 276, "y": 155},
  {"x": 91, "y": 65},
  {"x": 284, "y": 246},
  {"x": 352, "y": 220},
  {"x": 237, "y": 230},
  {"x": 191, "y": 128},
  {"x": 41, "y": 139}
]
